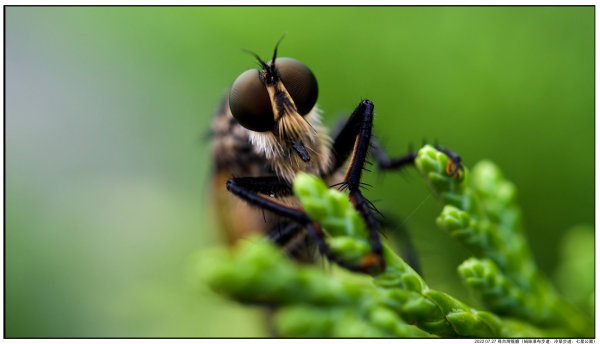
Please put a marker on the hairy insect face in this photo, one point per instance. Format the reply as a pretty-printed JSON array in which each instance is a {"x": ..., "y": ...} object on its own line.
[
  {"x": 278, "y": 105},
  {"x": 258, "y": 98}
]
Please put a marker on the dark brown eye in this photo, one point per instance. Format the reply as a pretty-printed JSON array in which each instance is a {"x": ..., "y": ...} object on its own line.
[
  {"x": 249, "y": 102},
  {"x": 300, "y": 82}
]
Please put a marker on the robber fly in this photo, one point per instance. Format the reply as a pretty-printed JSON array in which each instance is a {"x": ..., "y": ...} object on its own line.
[{"x": 268, "y": 129}]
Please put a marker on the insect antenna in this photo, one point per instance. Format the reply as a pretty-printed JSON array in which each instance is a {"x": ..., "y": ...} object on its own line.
[
  {"x": 276, "y": 47},
  {"x": 262, "y": 63}
]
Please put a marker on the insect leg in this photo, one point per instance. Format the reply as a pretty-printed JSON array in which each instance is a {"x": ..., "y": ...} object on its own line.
[
  {"x": 251, "y": 189},
  {"x": 353, "y": 142},
  {"x": 384, "y": 162},
  {"x": 270, "y": 185}
]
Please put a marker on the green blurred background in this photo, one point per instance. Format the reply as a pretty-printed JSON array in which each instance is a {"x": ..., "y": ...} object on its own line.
[{"x": 107, "y": 174}]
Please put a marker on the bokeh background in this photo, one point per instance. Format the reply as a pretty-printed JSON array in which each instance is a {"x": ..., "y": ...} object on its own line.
[{"x": 108, "y": 168}]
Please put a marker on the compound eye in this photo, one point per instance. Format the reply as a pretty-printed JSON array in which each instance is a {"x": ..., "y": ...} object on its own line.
[
  {"x": 300, "y": 82},
  {"x": 249, "y": 102}
]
